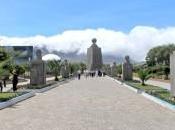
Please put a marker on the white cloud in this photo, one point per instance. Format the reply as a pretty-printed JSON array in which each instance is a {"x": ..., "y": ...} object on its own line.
[{"x": 136, "y": 43}]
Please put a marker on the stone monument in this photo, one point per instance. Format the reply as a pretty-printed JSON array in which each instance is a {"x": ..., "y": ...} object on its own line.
[
  {"x": 114, "y": 70},
  {"x": 127, "y": 68},
  {"x": 94, "y": 57},
  {"x": 172, "y": 73},
  {"x": 65, "y": 69},
  {"x": 38, "y": 70}
]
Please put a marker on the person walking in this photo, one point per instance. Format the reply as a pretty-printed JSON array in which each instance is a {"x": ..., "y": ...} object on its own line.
[{"x": 79, "y": 74}]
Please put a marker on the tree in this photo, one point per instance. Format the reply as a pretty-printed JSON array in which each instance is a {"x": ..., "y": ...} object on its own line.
[
  {"x": 55, "y": 66},
  {"x": 15, "y": 71},
  {"x": 160, "y": 55},
  {"x": 143, "y": 75},
  {"x": 119, "y": 69},
  {"x": 82, "y": 67},
  {"x": 3, "y": 55},
  {"x": 27, "y": 69},
  {"x": 4, "y": 58},
  {"x": 107, "y": 69},
  {"x": 8, "y": 67},
  {"x": 4, "y": 75},
  {"x": 166, "y": 71},
  {"x": 74, "y": 67}
]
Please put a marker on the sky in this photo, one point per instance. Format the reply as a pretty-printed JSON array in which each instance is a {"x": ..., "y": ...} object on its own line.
[{"x": 119, "y": 25}]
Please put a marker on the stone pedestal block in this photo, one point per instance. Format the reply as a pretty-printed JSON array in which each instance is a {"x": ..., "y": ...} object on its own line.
[
  {"x": 38, "y": 70},
  {"x": 127, "y": 68}
]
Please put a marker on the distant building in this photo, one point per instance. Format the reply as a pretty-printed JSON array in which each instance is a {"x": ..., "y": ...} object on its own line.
[
  {"x": 94, "y": 57},
  {"x": 22, "y": 54}
]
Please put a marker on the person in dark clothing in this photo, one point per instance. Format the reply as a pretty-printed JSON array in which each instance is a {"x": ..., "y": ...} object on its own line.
[
  {"x": 15, "y": 82},
  {"x": 4, "y": 81},
  {"x": 93, "y": 74},
  {"x": 99, "y": 73},
  {"x": 79, "y": 74}
]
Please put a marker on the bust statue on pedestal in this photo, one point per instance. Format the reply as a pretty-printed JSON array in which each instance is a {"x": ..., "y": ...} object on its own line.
[
  {"x": 65, "y": 69},
  {"x": 127, "y": 68},
  {"x": 38, "y": 70}
]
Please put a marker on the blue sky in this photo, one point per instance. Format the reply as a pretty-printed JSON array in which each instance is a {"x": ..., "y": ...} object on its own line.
[{"x": 49, "y": 17}]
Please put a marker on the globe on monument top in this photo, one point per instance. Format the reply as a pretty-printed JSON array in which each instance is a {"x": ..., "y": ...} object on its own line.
[{"x": 94, "y": 40}]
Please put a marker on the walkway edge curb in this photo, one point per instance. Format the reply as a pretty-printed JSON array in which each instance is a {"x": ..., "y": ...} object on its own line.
[
  {"x": 30, "y": 94},
  {"x": 16, "y": 100},
  {"x": 150, "y": 97},
  {"x": 50, "y": 87}
]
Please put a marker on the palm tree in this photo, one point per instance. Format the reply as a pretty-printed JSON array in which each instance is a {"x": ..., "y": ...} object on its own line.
[
  {"x": 55, "y": 66},
  {"x": 143, "y": 75}
]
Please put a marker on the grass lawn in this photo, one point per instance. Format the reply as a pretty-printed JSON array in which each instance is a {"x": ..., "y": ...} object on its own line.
[
  {"x": 4, "y": 96},
  {"x": 161, "y": 93}
]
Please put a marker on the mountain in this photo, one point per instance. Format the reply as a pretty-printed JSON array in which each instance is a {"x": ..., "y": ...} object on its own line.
[{"x": 74, "y": 56}]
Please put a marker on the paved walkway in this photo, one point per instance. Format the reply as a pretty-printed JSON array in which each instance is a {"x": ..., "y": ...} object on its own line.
[{"x": 92, "y": 104}]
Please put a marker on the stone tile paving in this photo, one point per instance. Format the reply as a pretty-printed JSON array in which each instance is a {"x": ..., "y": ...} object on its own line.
[{"x": 92, "y": 104}]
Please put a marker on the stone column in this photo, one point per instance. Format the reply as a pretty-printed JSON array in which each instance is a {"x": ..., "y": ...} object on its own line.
[{"x": 172, "y": 73}]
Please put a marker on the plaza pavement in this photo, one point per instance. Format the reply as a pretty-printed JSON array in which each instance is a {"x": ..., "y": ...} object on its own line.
[{"x": 88, "y": 104}]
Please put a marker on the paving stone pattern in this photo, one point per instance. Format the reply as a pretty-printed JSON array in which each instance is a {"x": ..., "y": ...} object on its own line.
[{"x": 88, "y": 104}]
